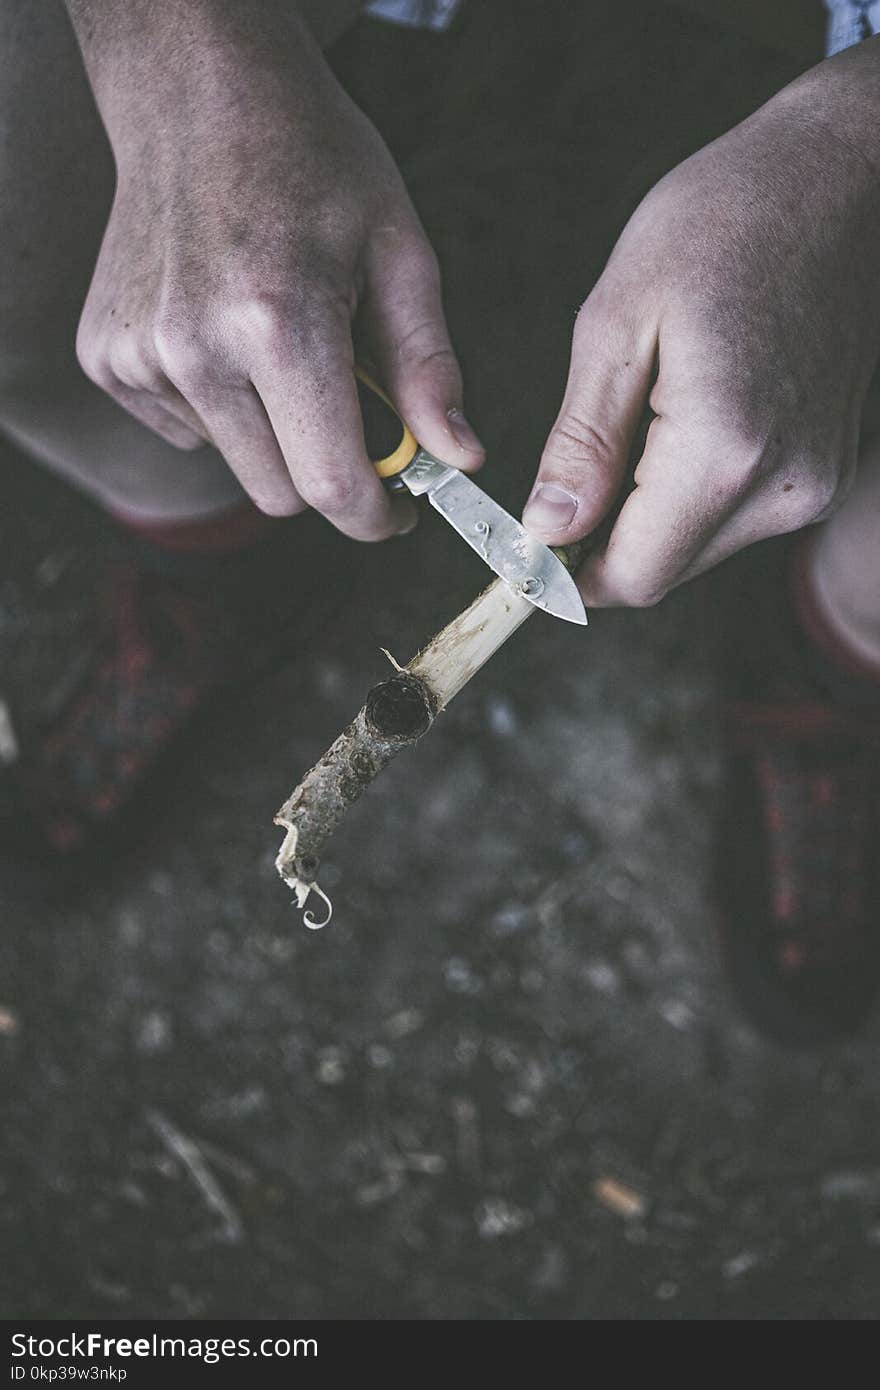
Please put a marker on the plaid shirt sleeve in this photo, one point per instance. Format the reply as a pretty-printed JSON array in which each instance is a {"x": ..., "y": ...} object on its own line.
[
  {"x": 419, "y": 14},
  {"x": 850, "y": 21}
]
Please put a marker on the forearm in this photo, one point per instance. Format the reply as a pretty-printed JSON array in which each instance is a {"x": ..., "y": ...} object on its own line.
[{"x": 134, "y": 50}]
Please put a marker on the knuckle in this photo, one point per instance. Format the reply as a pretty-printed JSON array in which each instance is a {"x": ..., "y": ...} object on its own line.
[
  {"x": 744, "y": 462},
  {"x": 633, "y": 590},
  {"x": 821, "y": 493},
  {"x": 179, "y": 352},
  {"x": 130, "y": 362},
  {"x": 329, "y": 492},
  {"x": 576, "y": 440},
  {"x": 265, "y": 322},
  {"x": 422, "y": 270},
  {"x": 642, "y": 595},
  {"x": 425, "y": 262},
  {"x": 599, "y": 319},
  {"x": 810, "y": 499},
  {"x": 296, "y": 331},
  {"x": 276, "y": 502},
  {"x": 437, "y": 359},
  {"x": 590, "y": 314},
  {"x": 425, "y": 344},
  {"x": 92, "y": 358}
]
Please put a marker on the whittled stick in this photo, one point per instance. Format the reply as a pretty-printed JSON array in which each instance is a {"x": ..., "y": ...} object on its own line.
[{"x": 397, "y": 713}]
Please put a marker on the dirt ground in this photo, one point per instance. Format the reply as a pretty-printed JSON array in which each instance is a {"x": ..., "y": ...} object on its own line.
[{"x": 407, "y": 1115}]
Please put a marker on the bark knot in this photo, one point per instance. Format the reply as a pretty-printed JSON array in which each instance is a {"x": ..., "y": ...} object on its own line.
[{"x": 400, "y": 709}]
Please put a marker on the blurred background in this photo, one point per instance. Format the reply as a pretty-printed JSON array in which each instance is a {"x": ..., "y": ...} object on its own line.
[{"x": 507, "y": 1081}]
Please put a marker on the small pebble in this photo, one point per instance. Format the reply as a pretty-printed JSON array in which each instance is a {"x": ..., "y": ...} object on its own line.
[
  {"x": 280, "y": 948},
  {"x": 509, "y": 919},
  {"x": 634, "y": 1233},
  {"x": 133, "y": 1193},
  {"x": 460, "y": 977},
  {"x": 153, "y": 1032},
  {"x": 575, "y": 846},
  {"x": 379, "y": 1056},
  {"x": 51, "y": 568},
  {"x": 849, "y": 1184},
  {"x": 8, "y": 1022},
  {"x": 466, "y": 1049},
  {"x": 617, "y": 1197},
  {"x": 379, "y": 1191},
  {"x": 238, "y": 1106},
  {"x": 637, "y": 960},
  {"x": 161, "y": 883},
  {"x": 495, "y": 1217},
  {"x": 331, "y": 1066},
  {"x": 602, "y": 976},
  {"x": 677, "y": 1014},
  {"x": 501, "y": 716},
  {"x": 401, "y": 1024},
  {"x": 740, "y": 1264},
  {"x": 130, "y": 930},
  {"x": 434, "y": 1165},
  {"x": 520, "y": 1105}
]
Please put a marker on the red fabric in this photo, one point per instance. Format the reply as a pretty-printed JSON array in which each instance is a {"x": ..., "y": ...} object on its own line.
[
  {"x": 225, "y": 532},
  {"x": 142, "y": 688},
  {"x": 785, "y": 718},
  {"x": 816, "y": 624}
]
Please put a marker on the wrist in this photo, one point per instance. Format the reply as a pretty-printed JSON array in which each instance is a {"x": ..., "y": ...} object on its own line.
[
  {"x": 143, "y": 54},
  {"x": 841, "y": 96}
]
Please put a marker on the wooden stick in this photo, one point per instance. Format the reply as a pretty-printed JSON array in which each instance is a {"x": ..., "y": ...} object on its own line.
[{"x": 396, "y": 714}]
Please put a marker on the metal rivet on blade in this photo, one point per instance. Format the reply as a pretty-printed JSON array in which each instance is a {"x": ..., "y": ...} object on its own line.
[
  {"x": 484, "y": 530},
  {"x": 531, "y": 586}
]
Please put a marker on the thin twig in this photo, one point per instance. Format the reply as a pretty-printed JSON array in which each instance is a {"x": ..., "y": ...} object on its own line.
[{"x": 190, "y": 1155}]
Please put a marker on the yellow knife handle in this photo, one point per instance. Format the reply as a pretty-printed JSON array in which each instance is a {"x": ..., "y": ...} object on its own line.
[{"x": 391, "y": 445}]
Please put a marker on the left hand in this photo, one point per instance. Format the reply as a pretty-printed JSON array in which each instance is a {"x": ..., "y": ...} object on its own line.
[{"x": 742, "y": 303}]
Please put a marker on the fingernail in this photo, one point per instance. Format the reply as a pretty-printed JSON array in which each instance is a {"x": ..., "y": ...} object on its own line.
[
  {"x": 550, "y": 508},
  {"x": 465, "y": 437}
]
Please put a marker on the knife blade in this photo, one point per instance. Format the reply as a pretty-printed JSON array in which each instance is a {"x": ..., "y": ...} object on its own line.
[{"x": 526, "y": 564}]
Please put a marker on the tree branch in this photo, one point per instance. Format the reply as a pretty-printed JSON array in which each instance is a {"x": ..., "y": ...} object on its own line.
[{"x": 396, "y": 714}]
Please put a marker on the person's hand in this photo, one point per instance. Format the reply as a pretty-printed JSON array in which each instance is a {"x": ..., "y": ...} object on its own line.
[
  {"x": 256, "y": 212},
  {"x": 742, "y": 303}
]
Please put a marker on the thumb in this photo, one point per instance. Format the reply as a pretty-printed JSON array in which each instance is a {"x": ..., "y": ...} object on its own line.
[
  {"x": 587, "y": 450},
  {"x": 410, "y": 342}
]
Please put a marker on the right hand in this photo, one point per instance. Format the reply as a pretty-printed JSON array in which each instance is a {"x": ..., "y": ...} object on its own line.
[{"x": 256, "y": 211}]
